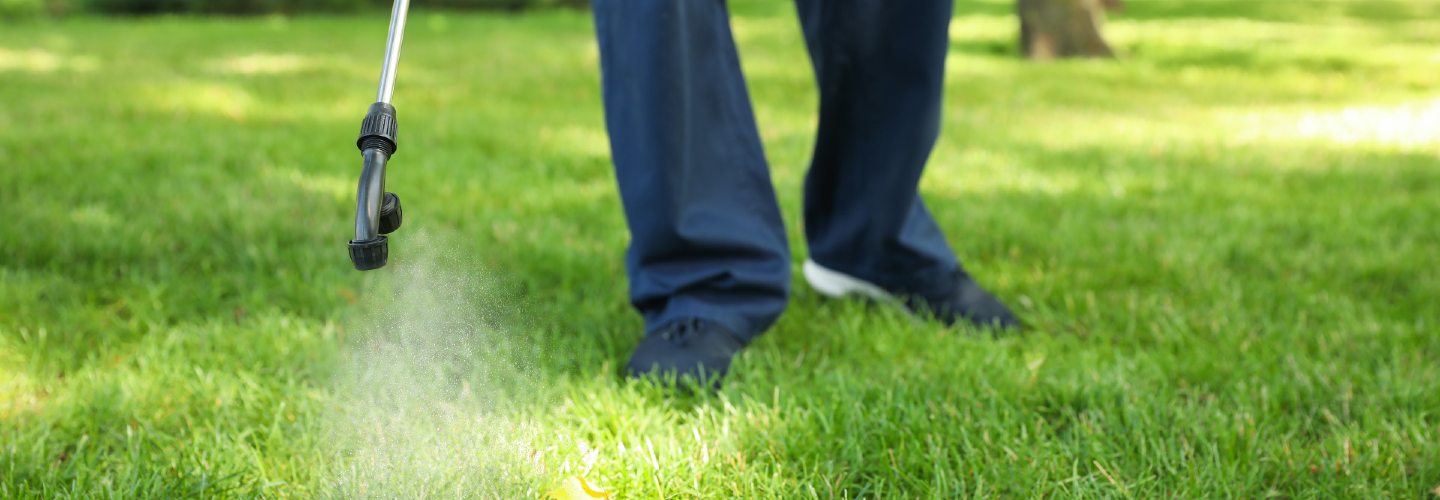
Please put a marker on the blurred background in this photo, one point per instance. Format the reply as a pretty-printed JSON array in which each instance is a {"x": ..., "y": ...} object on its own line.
[
  {"x": 1219, "y": 217},
  {"x": 16, "y": 9}
]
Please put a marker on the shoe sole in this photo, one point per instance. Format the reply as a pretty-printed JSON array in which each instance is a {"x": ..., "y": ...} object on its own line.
[{"x": 838, "y": 285}]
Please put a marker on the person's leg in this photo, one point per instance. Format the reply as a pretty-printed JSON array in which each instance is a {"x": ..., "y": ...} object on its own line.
[
  {"x": 707, "y": 240},
  {"x": 880, "y": 66}
]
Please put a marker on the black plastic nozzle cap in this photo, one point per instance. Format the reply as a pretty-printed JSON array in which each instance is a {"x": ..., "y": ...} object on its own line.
[
  {"x": 390, "y": 214},
  {"x": 370, "y": 254}
]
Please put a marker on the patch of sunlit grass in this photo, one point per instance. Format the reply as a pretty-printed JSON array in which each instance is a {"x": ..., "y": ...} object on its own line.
[
  {"x": 45, "y": 61},
  {"x": 94, "y": 216},
  {"x": 976, "y": 28},
  {"x": 262, "y": 64},
  {"x": 330, "y": 186},
  {"x": 190, "y": 97},
  {"x": 19, "y": 393},
  {"x": 577, "y": 140},
  {"x": 1409, "y": 125},
  {"x": 980, "y": 170}
]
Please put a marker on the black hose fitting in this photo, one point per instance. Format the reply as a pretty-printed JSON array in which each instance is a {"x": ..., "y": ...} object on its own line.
[
  {"x": 369, "y": 254},
  {"x": 390, "y": 214},
  {"x": 378, "y": 129}
]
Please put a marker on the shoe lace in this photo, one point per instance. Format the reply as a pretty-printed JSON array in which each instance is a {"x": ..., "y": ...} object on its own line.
[
  {"x": 680, "y": 331},
  {"x": 933, "y": 301}
]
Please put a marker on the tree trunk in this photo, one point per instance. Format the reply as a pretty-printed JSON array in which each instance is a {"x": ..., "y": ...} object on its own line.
[{"x": 1051, "y": 29}]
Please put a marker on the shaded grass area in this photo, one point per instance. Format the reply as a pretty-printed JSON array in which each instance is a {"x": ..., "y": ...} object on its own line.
[{"x": 1225, "y": 242}]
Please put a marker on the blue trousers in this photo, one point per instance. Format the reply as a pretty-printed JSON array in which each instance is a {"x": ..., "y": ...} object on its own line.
[{"x": 707, "y": 239}]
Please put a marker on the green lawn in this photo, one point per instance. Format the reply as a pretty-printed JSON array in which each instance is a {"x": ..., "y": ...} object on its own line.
[{"x": 1226, "y": 241}]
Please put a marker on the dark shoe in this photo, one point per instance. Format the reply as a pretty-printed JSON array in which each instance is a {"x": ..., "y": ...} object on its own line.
[
  {"x": 968, "y": 302},
  {"x": 694, "y": 348}
]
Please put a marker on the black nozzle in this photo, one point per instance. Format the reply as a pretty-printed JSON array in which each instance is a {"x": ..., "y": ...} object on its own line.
[
  {"x": 377, "y": 145},
  {"x": 369, "y": 254},
  {"x": 390, "y": 214}
]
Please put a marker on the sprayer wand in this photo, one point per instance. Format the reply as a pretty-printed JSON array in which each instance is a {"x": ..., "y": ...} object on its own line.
[{"x": 377, "y": 213}]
